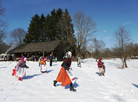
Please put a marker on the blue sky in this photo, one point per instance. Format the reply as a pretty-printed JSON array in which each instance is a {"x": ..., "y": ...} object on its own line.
[{"x": 108, "y": 14}]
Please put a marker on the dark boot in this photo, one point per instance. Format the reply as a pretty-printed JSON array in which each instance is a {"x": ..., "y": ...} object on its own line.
[
  {"x": 100, "y": 74},
  {"x": 55, "y": 83},
  {"x": 71, "y": 88}
]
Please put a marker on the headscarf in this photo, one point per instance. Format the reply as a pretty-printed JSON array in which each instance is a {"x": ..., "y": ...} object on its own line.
[
  {"x": 100, "y": 59},
  {"x": 67, "y": 55},
  {"x": 43, "y": 61},
  {"x": 23, "y": 59}
]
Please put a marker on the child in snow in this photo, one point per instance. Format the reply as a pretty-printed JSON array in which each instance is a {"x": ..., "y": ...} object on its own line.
[
  {"x": 79, "y": 61},
  {"x": 103, "y": 68},
  {"x": 39, "y": 61},
  {"x": 43, "y": 66},
  {"x": 100, "y": 66},
  {"x": 14, "y": 70},
  {"x": 20, "y": 68},
  {"x": 63, "y": 76},
  {"x": 55, "y": 59}
]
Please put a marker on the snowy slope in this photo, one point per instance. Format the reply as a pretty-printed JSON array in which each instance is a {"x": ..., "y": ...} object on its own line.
[{"x": 116, "y": 86}]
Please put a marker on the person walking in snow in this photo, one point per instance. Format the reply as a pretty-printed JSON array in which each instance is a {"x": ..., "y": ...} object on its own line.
[
  {"x": 100, "y": 66},
  {"x": 20, "y": 68},
  {"x": 51, "y": 59},
  {"x": 39, "y": 61},
  {"x": 79, "y": 61},
  {"x": 63, "y": 76}
]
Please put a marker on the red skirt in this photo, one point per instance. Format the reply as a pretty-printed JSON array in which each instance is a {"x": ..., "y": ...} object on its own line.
[{"x": 63, "y": 77}]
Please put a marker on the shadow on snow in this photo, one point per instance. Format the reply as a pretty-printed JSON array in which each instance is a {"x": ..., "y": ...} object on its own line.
[
  {"x": 49, "y": 71},
  {"x": 31, "y": 76},
  {"x": 75, "y": 85},
  {"x": 97, "y": 73},
  {"x": 135, "y": 85}
]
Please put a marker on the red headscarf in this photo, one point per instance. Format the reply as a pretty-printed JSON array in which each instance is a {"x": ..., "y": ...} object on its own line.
[
  {"x": 23, "y": 59},
  {"x": 100, "y": 59}
]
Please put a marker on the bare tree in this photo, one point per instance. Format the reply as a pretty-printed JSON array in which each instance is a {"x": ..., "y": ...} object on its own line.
[
  {"x": 90, "y": 48},
  {"x": 133, "y": 50},
  {"x": 98, "y": 48},
  {"x": 17, "y": 35},
  {"x": 85, "y": 27},
  {"x": 107, "y": 53},
  {"x": 2, "y": 24},
  {"x": 1, "y": 8},
  {"x": 122, "y": 38}
]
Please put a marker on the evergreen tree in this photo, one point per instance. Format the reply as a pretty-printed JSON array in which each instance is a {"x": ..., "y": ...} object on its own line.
[
  {"x": 51, "y": 24},
  {"x": 47, "y": 28},
  {"x": 42, "y": 25},
  {"x": 66, "y": 32},
  {"x": 56, "y": 26},
  {"x": 33, "y": 34}
]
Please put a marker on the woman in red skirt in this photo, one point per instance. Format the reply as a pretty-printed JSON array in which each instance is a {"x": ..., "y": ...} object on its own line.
[{"x": 63, "y": 77}]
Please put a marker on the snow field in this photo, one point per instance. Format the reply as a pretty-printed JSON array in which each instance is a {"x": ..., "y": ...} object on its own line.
[{"x": 118, "y": 85}]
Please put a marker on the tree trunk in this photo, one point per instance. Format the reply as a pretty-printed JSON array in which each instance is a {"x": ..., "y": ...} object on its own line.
[
  {"x": 123, "y": 66},
  {"x": 77, "y": 53},
  {"x": 125, "y": 63}
]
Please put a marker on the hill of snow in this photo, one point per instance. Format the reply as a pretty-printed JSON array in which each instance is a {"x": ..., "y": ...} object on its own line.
[{"x": 118, "y": 85}]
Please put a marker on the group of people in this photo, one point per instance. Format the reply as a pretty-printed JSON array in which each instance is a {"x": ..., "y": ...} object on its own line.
[{"x": 65, "y": 76}]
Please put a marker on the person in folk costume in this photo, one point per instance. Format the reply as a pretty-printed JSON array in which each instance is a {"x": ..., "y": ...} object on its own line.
[
  {"x": 63, "y": 76},
  {"x": 43, "y": 66},
  {"x": 100, "y": 66},
  {"x": 14, "y": 70},
  {"x": 20, "y": 68},
  {"x": 39, "y": 61}
]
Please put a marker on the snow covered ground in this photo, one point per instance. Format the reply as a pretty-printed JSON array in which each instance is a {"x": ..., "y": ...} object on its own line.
[{"x": 118, "y": 85}]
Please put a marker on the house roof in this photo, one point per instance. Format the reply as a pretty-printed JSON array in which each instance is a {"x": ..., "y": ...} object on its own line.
[{"x": 37, "y": 47}]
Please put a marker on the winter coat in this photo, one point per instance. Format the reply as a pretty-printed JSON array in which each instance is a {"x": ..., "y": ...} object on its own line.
[
  {"x": 20, "y": 68},
  {"x": 56, "y": 59},
  {"x": 100, "y": 63},
  {"x": 22, "y": 64},
  {"x": 50, "y": 57},
  {"x": 66, "y": 63},
  {"x": 78, "y": 60}
]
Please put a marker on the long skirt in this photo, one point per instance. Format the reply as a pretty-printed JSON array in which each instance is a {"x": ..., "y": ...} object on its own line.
[
  {"x": 65, "y": 77},
  {"x": 21, "y": 72},
  {"x": 43, "y": 68}
]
